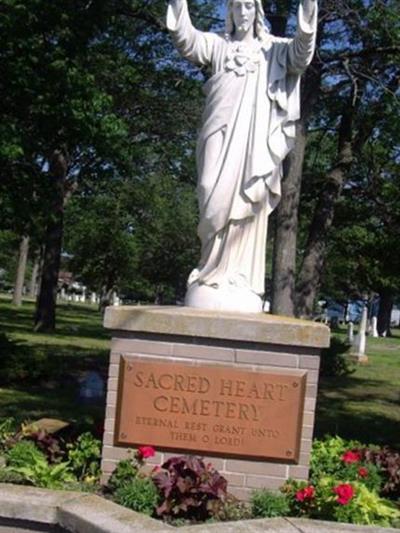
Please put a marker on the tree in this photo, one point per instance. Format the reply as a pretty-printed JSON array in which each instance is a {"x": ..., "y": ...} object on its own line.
[
  {"x": 352, "y": 69},
  {"x": 362, "y": 254}
]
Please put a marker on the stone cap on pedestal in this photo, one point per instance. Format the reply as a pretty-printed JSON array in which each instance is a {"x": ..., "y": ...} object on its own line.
[{"x": 192, "y": 322}]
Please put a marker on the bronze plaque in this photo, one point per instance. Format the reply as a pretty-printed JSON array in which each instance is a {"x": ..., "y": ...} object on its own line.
[{"x": 210, "y": 409}]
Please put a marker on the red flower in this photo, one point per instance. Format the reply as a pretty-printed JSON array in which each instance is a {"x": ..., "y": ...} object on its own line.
[
  {"x": 362, "y": 471},
  {"x": 307, "y": 493},
  {"x": 144, "y": 452},
  {"x": 345, "y": 493},
  {"x": 351, "y": 457}
]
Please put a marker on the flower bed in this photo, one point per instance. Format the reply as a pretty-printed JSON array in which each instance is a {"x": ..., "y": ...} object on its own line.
[{"x": 349, "y": 482}]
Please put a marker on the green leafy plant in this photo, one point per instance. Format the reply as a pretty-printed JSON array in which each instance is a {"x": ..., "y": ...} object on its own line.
[
  {"x": 128, "y": 469},
  {"x": 341, "y": 459},
  {"x": 41, "y": 474},
  {"x": 188, "y": 488},
  {"x": 268, "y": 504},
  {"x": 125, "y": 471},
  {"x": 23, "y": 453},
  {"x": 8, "y": 476},
  {"x": 7, "y": 430},
  {"x": 84, "y": 457},
  {"x": 139, "y": 494},
  {"x": 26, "y": 460},
  {"x": 367, "y": 507},
  {"x": 336, "y": 500}
]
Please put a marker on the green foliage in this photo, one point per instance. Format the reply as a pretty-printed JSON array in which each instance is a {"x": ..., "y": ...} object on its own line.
[
  {"x": 26, "y": 460},
  {"x": 99, "y": 237},
  {"x": 367, "y": 508},
  {"x": 268, "y": 504},
  {"x": 343, "y": 486},
  {"x": 340, "y": 459},
  {"x": 84, "y": 457},
  {"x": 334, "y": 361},
  {"x": 9, "y": 476},
  {"x": 332, "y": 499},
  {"x": 139, "y": 494},
  {"x": 9, "y": 243},
  {"x": 41, "y": 474},
  {"x": 7, "y": 430},
  {"x": 125, "y": 471},
  {"x": 23, "y": 453}
]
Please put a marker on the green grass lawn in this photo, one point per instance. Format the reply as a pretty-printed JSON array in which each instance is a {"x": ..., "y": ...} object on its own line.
[
  {"x": 364, "y": 405},
  {"x": 58, "y": 362}
]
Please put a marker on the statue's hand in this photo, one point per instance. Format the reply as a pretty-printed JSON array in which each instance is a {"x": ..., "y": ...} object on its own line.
[{"x": 309, "y": 7}]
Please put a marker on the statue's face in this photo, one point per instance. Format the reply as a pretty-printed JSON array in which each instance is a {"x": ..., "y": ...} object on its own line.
[{"x": 244, "y": 14}]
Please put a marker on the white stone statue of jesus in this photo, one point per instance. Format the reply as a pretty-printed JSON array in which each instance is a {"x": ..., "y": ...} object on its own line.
[{"x": 248, "y": 127}]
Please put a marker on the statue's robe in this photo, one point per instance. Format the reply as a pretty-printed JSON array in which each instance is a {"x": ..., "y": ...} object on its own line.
[{"x": 248, "y": 127}]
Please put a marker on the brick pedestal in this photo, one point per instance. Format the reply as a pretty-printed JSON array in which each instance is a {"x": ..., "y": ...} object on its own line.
[{"x": 257, "y": 342}]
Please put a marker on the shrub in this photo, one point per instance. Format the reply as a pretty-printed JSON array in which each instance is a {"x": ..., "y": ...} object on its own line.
[
  {"x": 48, "y": 444},
  {"x": 333, "y": 499},
  {"x": 7, "y": 430},
  {"x": 388, "y": 461},
  {"x": 335, "y": 457},
  {"x": 139, "y": 494},
  {"x": 333, "y": 359},
  {"x": 268, "y": 504},
  {"x": 26, "y": 460},
  {"x": 8, "y": 476},
  {"x": 84, "y": 457},
  {"x": 23, "y": 453},
  {"x": 188, "y": 489},
  {"x": 125, "y": 471}
]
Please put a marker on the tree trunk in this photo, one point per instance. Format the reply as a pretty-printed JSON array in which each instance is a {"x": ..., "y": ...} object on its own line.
[
  {"x": 285, "y": 238},
  {"x": 287, "y": 212},
  {"x": 21, "y": 269},
  {"x": 33, "y": 286},
  {"x": 45, "y": 318},
  {"x": 385, "y": 313},
  {"x": 314, "y": 256}
]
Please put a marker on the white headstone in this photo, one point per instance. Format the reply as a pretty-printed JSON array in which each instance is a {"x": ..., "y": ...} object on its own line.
[
  {"x": 374, "y": 326},
  {"x": 360, "y": 339}
]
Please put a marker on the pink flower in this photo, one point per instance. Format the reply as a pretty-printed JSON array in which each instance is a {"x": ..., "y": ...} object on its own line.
[
  {"x": 144, "y": 452},
  {"x": 363, "y": 472},
  {"x": 351, "y": 457},
  {"x": 344, "y": 492},
  {"x": 308, "y": 493}
]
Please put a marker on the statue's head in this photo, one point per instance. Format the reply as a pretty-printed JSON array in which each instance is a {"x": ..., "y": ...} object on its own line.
[{"x": 242, "y": 13}]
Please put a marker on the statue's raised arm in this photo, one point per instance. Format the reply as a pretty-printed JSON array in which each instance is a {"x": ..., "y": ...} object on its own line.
[
  {"x": 194, "y": 45},
  {"x": 302, "y": 47}
]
